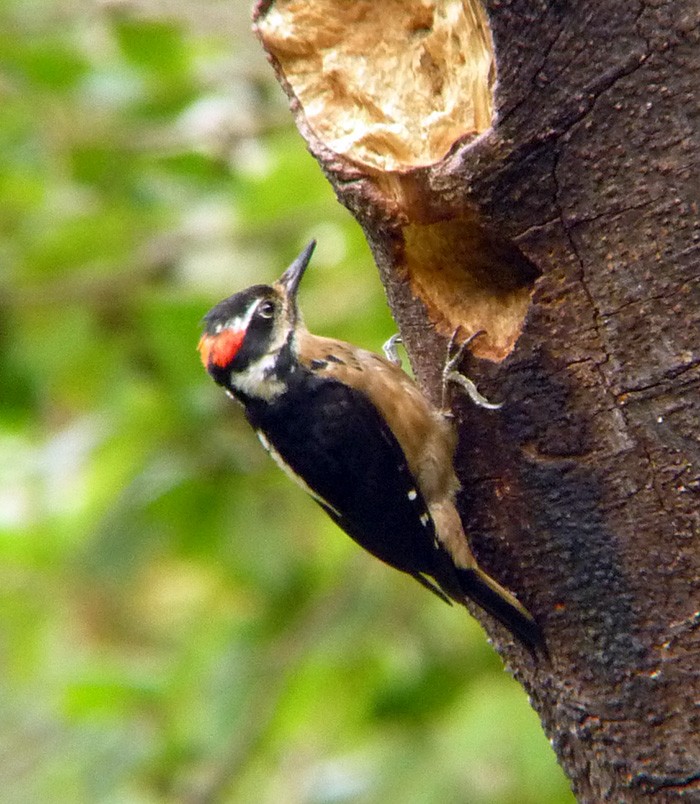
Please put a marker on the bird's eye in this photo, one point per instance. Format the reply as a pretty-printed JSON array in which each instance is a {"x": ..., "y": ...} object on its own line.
[{"x": 266, "y": 309}]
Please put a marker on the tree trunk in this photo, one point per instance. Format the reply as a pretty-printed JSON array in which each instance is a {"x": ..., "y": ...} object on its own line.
[{"x": 555, "y": 208}]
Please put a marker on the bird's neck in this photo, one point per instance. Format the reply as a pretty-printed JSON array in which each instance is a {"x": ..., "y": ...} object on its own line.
[{"x": 266, "y": 377}]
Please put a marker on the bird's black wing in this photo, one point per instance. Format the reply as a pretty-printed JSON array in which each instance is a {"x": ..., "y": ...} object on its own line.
[{"x": 336, "y": 443}]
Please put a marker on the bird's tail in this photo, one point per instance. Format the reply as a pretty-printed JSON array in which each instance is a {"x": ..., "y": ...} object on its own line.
[{"x": 500, "y": 603}]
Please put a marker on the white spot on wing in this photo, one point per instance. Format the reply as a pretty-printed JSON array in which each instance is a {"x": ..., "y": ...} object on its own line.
[
  {"x": 424, "y": 519},
  {"x": 412, "y": 494}
]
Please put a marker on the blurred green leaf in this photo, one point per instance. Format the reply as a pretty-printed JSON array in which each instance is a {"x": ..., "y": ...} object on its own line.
[
  {"x": 46, "y": 62},
  {"x": 157, "y": 45}
]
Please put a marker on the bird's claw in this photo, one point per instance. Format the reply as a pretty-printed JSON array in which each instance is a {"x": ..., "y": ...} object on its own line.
[
  {"x": 451, "y": 373},
  {"x": 391, "y": 352}
]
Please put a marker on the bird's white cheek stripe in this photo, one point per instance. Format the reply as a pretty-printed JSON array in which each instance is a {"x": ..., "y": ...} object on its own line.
[
  {"x": 256, "y": 380},
  {"x": 287, "y": 469},
  {"x": 240, "y": 322}
]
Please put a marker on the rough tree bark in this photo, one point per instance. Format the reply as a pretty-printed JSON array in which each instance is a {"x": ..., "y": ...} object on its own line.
[{"x": 556, "y": 209}]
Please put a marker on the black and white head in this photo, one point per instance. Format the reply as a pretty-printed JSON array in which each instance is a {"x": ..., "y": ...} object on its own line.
[{"x": 249, "y": 337}]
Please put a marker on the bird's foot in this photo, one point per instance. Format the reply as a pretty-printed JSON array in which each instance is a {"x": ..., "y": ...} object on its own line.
[
  {"x": 391, "y": 352},
  {"x": 451, "y": 373}
]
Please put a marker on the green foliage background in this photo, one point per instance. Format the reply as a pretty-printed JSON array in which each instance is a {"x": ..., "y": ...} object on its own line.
[{"x": 177, "y": 621}]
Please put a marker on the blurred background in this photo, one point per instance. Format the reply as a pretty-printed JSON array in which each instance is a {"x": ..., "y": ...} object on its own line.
[{"x": 178, "y": 622}]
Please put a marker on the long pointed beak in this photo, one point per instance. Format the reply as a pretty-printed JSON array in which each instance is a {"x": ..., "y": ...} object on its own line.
[{"x": 290, "y": 279}]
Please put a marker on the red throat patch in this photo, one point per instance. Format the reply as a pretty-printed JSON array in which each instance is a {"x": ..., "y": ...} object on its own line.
[{"x": 220, "y": 349}]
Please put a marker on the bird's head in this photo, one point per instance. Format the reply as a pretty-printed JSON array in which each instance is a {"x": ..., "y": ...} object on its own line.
[{"x": 246, "y": 334}]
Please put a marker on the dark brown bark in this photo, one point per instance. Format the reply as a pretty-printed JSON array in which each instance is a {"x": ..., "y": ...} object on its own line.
[{"x": 569, "y": 231}]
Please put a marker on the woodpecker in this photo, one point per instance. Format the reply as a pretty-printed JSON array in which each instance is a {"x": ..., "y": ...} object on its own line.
[{"x": 355, "y": 432}]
